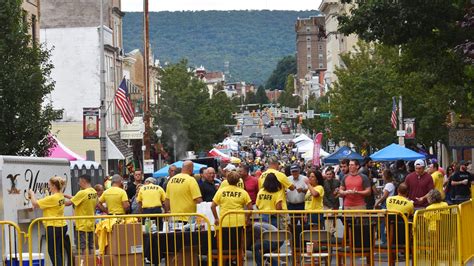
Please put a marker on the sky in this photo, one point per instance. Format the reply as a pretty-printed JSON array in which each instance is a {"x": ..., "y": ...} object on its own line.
[{"x": 180, "y": 5}]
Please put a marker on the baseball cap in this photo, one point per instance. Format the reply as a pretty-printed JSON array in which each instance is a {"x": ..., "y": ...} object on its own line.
[
  {"x": 420, "y": 162},
  {"x": 150, "y": 180},
  {"x": 230, "y": 167},
  {"x": 294, "y": 168}
]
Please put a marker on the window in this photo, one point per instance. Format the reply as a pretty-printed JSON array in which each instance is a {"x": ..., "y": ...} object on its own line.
[
  {"x": 308, "y": 38},
  {"x": 320, "y": 47},
  {"x": 309, "y": 57},
  {"x": 320, "y": 56},
  {"x": 321, "y": 65},
  {"x": 308, "y": 29},
  {"x": 33, "y": 28},
  {"x": 309, "y": 66},
  {"x": 309, "y": 49}
]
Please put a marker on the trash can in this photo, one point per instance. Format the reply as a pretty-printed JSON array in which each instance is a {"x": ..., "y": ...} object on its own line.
[{"x": 38, "y": 259}]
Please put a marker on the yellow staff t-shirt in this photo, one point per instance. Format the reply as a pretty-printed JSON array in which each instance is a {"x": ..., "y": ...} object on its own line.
[
  {"x": 282, "y": 178},
  {"x": 231, "y": 198},
  {"x": 434, "y": 216},
  {"x": 314, "y": 203},
  {"x": 53, "y": 206},
  {"x": 267, "y": 201},
  {"x": 438, "y": 180},
  {"x": 85, "y": 201},
  {"x": 114, "y": 198},
  {"x": 151, "y": 196},
  {"x": 225, "y": 183},
  {"x": 401, "y": 204},
  {"x": 182, "y": 190}
]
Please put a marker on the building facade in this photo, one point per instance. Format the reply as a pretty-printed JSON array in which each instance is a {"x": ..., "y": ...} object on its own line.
[
  {"x": 72, "y": 30},
  {"x": 310, "y": 56},
  {"x": 336, "y": 43},
  {"x": 31, "y": 15}
]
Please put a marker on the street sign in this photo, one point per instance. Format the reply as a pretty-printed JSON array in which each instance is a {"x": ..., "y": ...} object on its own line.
[
  {"x": 401, "y": 133},
  {"x": 325, "y": 115},
  {"x": 310, "y": 113}
]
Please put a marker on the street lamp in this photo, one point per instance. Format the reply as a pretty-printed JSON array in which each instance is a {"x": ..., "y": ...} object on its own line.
[
  {"x": 174, "y": 138},
  {"x": 159, "y": 133}
]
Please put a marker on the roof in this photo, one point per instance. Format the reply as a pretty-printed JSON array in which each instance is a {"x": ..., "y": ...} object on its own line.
[
  {"x": 120, "y": 144},
  {"x": 214, "y": 75}
]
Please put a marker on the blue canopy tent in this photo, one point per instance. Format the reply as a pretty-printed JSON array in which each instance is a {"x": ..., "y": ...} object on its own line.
[
  {"x": 343, "y": 153},
  {"x": 164, "y": 171},
  {"x": 395, "y": 152}
]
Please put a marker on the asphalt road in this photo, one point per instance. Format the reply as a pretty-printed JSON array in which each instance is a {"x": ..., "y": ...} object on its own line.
[{"x": 251, "y": 125}]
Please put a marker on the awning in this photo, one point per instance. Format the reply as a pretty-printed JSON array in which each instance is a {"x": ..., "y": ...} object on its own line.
[
  {"x": 117, "y": 149},
  {"x": 61, "y": 151}
]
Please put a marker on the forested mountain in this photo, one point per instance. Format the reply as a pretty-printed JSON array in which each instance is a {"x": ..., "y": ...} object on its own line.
[{"x": 251, "y": 42}]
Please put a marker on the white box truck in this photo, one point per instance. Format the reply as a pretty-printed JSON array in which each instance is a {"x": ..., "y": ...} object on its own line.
[{"x": 18, "y": 175}]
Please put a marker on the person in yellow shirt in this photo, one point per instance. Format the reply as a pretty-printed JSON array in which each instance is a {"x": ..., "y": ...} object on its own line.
[
  {"x": 401, "y": 202},
  {"x": 182, "y": 192},
  {"x": 115, "y": 198},
  {"x": 57, "y": 240},
  {"x": 435, "y": 200},
  {"x": 314, "y": 197},
  {"x": 225, "y": 183},
  {"x": 231, "y": 198},
  {"x": 438, "y": 178},
  {"x": 273, "y": 166},
  {"x": 270, "y": 198},
  {"x": 84, "y": 202},
  {"x": 151, "y": 198}
]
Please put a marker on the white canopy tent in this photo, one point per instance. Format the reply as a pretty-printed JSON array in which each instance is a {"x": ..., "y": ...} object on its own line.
[{"x": 305, "y": 145}]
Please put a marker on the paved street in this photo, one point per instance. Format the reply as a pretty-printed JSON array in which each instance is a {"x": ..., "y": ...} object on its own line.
[{"x": 251, "y": 125}]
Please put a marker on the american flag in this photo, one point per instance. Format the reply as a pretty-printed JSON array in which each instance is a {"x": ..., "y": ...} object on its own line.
[
  {"x": 394, "y": 113},
  {"x": 123, "y": 102}
]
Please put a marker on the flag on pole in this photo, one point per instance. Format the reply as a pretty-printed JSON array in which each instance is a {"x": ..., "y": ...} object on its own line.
[
  {"x": 394, "y": 113},
  {"x": 123, "y": 102},
  {"x": 317, "y": 149}
]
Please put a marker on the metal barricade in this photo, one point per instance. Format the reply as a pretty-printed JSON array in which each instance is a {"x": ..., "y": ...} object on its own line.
[
  {"x": 11, "y": 241},
  {"x": 436, "y": 238},
  {"x": 467, "y": 237},
  {"x": 123, "y": 240},
  {"x": 331, "y": 237}
]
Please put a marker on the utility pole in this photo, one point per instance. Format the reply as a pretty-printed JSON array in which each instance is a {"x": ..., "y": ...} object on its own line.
[
  {"x": 401, "y": 139},
  {"x": 146, "y": 87},
  {"x": 103, "y": 95}
]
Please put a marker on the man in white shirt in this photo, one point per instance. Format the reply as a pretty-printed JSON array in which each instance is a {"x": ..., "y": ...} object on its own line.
[{"x": 295, "y": 198}]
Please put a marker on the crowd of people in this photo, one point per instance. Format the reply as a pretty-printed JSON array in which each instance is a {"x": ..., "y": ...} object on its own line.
[{"x": 267, "y": 178}]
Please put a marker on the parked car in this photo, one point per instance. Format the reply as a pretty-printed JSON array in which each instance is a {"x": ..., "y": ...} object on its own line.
[
  {"x": 256, "y": 135},
  {"x": 238, "y": 131},
  {"x": 269, "y": 124},
  {"x": 285, "y": 129}
]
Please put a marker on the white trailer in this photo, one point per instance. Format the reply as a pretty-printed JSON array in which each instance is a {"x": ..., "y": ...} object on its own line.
[{"x": 18, "y": 175}]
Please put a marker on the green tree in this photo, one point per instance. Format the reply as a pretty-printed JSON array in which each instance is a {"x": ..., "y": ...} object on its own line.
[
  {"x": 187, "y": 112},
  {"x": 261, "y": 95},
  {"x": 426, "y": 34},
  {"x": 24, "y": 84},
  {"x": 361, "y": 100},
  {"x": 278, "y": 78},
  {"x": 286, "y": 97},
  {"x": 250, "y": 98}
]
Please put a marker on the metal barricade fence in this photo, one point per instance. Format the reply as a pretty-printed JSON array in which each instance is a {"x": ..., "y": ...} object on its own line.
[
  {"x": 313, "y": 237},
  {"x": 436, "y": 236},
  {"x": 467, "y": 237},
  {"x": 11, "y": 240},
  {"x": 123, "y": 240}
]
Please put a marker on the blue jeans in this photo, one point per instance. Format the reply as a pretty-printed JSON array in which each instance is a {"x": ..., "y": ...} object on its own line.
[
  {"x": 271, "y": 219},
  {"x": 316, "y": 218},
  {"x": 263, "y": 247}
]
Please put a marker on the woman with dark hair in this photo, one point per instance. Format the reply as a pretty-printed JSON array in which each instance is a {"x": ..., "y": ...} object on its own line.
[
  {"x": 270, "y": 198},
  {"x": 314, "y": 197}
]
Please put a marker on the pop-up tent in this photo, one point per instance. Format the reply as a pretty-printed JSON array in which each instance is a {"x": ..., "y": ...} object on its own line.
[
  {"x": 395, "y": 152},
  {"x": 61, "y": 151},
  {"x": 343, "y": 153},
  {"x": 164, "y": 171}
]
